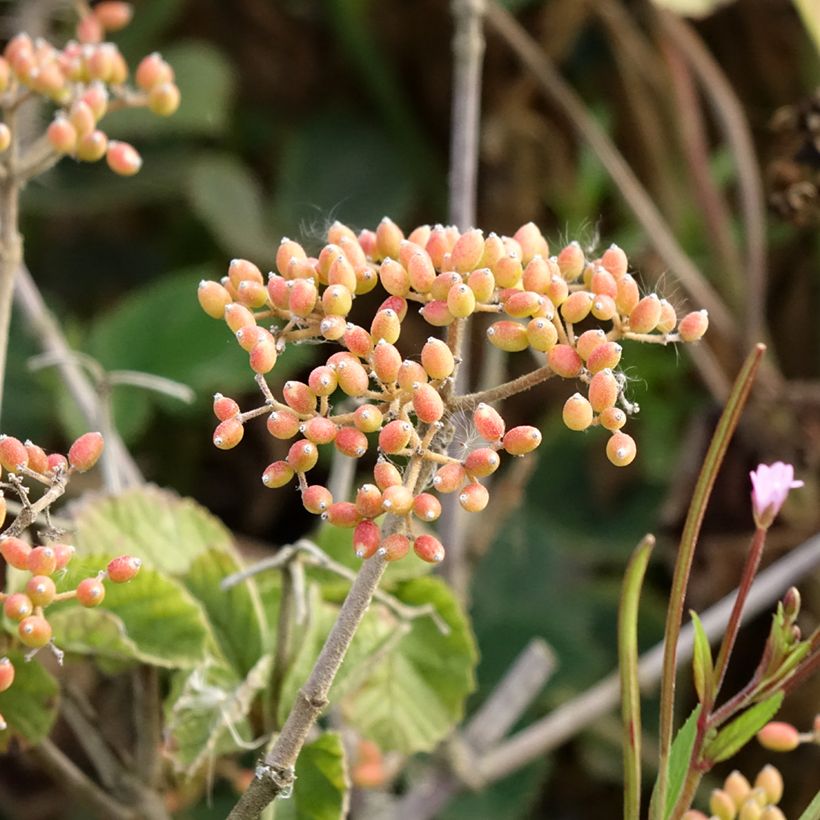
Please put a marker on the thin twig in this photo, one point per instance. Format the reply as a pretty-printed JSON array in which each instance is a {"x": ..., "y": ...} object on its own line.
[{"x": 504, "y": 391}]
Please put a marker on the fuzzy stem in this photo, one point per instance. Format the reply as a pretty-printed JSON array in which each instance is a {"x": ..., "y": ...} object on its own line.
[
  {"x": 503, "y": 391},
  {"x": 11, "y": 250}
]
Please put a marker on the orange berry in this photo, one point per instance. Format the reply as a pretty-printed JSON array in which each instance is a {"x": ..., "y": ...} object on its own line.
[
  {"x": 288, "y": 250},
  {"x": 341, "y": 272},
  {"x": 262, "y": 357},
  {"x": 668, "y": 320},
  {"x": 467, "y": 251},
  {"x": 693, "y": 326},
  {"x": 588, "y": 341},
  {"x": 482, "y": 284},
  {"x": 557, "y": 290},
  {"x": 385, "y": 361},
  {"x": 607, "y": 355},
  {"x": 320, "y": 430},
  {"x": 369, "y": 501},
  {"x": 443, "y": 283},
  {"x": 18, "y": 606},
  {"x": 428, "y": 548},
  {"x": 577, "y": 306},
  {"x": 358, "y": 341},
  {"x": 302, "y": 296},
  {"x": 228, "y": 434},
  {"x": 628, "y": 295},
  {"x": 621, "y": 449},
  {"x": 521, "y": 440},
  {"x": 426, "y": 507},
  {"x": 394, "y": 278},
  {"x": 113, "y": 15},
  {"x": 523, "y": 303},
  {"x": 34, "y": 631},
  {"x": 277, "y": 474},
  {"x": 41, "y": 561},
  {"x": 385, "y": 325},
  {"x": 488, "y": 422},
  {"x": 481, "y": 462},
  {"x": 351, "y": 442},
  {"x": 474, "y": 497},
  {"x": 437, "y": 245},
  {"x": 164, "y": 99},
  {"x": 395, "y": 436},
  {"x": 571, "y": 261},
  {"x": 123, "y": 568},
  {"x": 283, "y": 424},
  {"x": 564, "y": 361},
  {"x": 577, "y": 412},
  {"x": 238, "y": 316},
  {"x": 6, "y": 674},
  {"x": 388, "y": 238},
  {"x": 353, "y": 378},
  {"x": 508, "y": 336},
  {"x": 532, "y": 242},
  {"x": 394, "y": 547},
  {"x": 333, "y": 328},
  {"x": 602, "y": 283},
  {"x": 151, "y": 71},
  {"x": 778, "y": 736},
  {"x": 213, "y": 298},
  {"x": 603, "y": 307},
  {"x": 411, "y": 374},
  {"x": 449, "y": 478},
  {"x": 541, "y": 334},
  {"x": 437, "y": 359},
  {"x": 299, "y": 397},
  {"x": 437, "y": 314},
  {"x": 366, "y": 539},
  {"x": 62, "y": 135},
  {"x": 615, "y": 261}
]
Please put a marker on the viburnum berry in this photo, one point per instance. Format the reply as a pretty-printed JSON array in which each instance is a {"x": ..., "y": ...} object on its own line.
[
  {"x": 426, "y": 507},
  {"x": 386, "y": 474},
  {"x": 621, "y": 449},
  {"x": 488, "y": 422},
  {"x": 122, "y": 158},
  {"x": 398, "y": 304},
  {"x": 603, "y": 307},
  {"x": 6, "y": 674},
  {"x": 369, "y": 501},
  {"x": 564, "y": 361},
  {"x": 394, "y": 547},
  {"x": 614, "y": 260},
  {"x": 302, "y": 456},
  {"x": 420, "y": 270},
  {"x": 368, "y": 418},
  {"x": 482, "y": 283},
  {"x": 316, "y": 498},
  {"x": 507, "y": 271},
  {"x": 263, "y": 355},
  {"x": 319, "y": 430},
  {"x": 342, "y": 514},
  {"x": 410, "y": 374},
  {"x": 253, "y": 295},
  {"x": 541, "y": 334},
  {"x": 521, "y": 440},
  {"x": 602, "y": 283},
  {"x": 395, "y": 436},
  {"x": 397, "y": 499},
  {"x": 443, "y": 283},
  {"x": 237, "y": 316},
  {"x": 15, "y": 551},
  {"x": 557, "y": 290},
  {"x": 627, "y": 295},
  {"x": 607, "y": 355},
  {"x": 461, "y": 301},
  {"x": 224, "y": 407},
  {"x": 509, "y": 336},
  {"x": 669, "y": 318},
  {"x": 693, "y": 326},
  {"x": 645, "y": 316},
  {"x": 474, "y": 497},
  {"x": 41, "y": 561},
  {"x": 577, "y": 306},
  {"x": 603, "y": 390},
  {"x": 40, "y": 590},
  {"x": 283, "y": 424},
  {"x": 588, "y": 341},
  {"x": 385, "y": 325},
  {"x": 277, "y": 474},
  {"x": 299, "y": 397},
  {"x": 86, "y": 451},
  {"x": 122, "y": 569},
  {"x": 249, "y": 335},
  {"x": 612, "y": 418},
  {"x": 571, "y": 261},
  {"x": 34, "y": 631},
  {"x": 449, "y": 477},
  {"x": 778, "y": 736},
  {"x": 482, "y": 462},
  {"x": 437, "y": 359},
  {"x": 367, "y": 537},
  {"x": 113, "y": 15},
  {"x": 332, "y": 328},
  {"x": 37, "y": 458},
  {"x": 386, "y": 361},
  {"x": 437, "y": 313},
  {"x": 532, "y": 242},
  {"x": 428, "y": 548},
  {"x": 90, "y": 592},
  {"x": 351, "y": 442},
  {"x": 353, "y": 378},
  {"x": 577, "y": 412},
  {"x": 57, "y": 463},
  {"x": 18, "y": 606},
  {"x": 228, "y": 434},
  {"x": 13, "y": 453},
  {"x": 322, "y": 380},
  {"x": 427, "y": 403}
]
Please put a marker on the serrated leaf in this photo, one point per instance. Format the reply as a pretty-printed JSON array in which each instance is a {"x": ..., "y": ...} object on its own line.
[
  {"x": 321, "y": 788},
  {"x": 679, "y": 756},
  {"x": 207, "y": 710},
  {"x": 166, "y": 531},
  {"x": 206, "y": 81},
  {"x": 29, "y": 706},
  {"x": 153, "y": 616},
  {"x": 702, "y": 665},
  {"x": 735, "y": 735},
  {"x": 415, "y": 690},
  {"x": 235, "y": 615},
  {"x": 227, "y": 198}
]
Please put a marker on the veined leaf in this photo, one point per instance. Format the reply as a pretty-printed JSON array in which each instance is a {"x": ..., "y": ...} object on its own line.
[{"x": 734, "y": 736}]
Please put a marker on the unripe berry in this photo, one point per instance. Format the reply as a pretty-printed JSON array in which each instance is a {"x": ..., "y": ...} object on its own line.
[
  {"x": 353, "y": 378},
  {"x": 449, "y": 477},
  {"x": 420, "y": 271},
  {"x": 322, "y": 380},
  {"x": 249, "y": 335},
  {"x": 564, "y": 361},
  {"x": 302, "y": 456},
  {"x": 368, "y": 418},
  {"x": 262, "y": 357},
  {"x": 628, "y": 295},
  {"x": 427, "y": 403},
  {"x": 6, "y": 674},
  {"x": 737, "y": 787},
  {"x": 397, "y": 499},
  {"x": 428, "y": 548},
  {"x": 366, "y": 539},
  {"x": 164, "y": 99},
  {"x": 588, "y": 341},
  {"x": 394, "y": 547},
  {"x": 488, "y": 422},
  {"x": 693, "y": 326},
  {"x": 772, "y": 813},
  {"x": 693, "y": 814},
  {"x": 90, "y": 592},
  {"x": 721, "y": 805},
  {"x": 385, "y": 325},
  {"x": 557, "y": 291},
  {"x": 604, "y": 356},
  {"x": 367, "y": 239},
  {"x": 771, "y": 781},
  {"x": 577, "y": 306},
  {"x": 482, "y": 283},
  {"x": 778, "y": 736},
  {"x": 123, "y": 568},
  {"x": 571, "y": 261},
  {"x": 612, "y": 418},
  {"x": 467, "y": 251},
  {"x": 3, "y": 509},
  {"x": 443, "y": 283},
  {"x": 603, "y": 308},
  {"x": 357, "y": 340},
  {"x": 438, "y": 244},
  {"x": 482, "y": 462},
  {"x": 299, "y": 397},
  {"x": 508, "y": 336},
  {"x": 316, "y": 499},
  {"x": 13, "y": 453},
  {"x": 224, "y": 407},
  {"x": 388, "y": 238},
  {"x": 398, "y": 304},
  {"x": 474, "y": 497},
  {"x": 420, "y": 235},
  {"x": 34, "y": 631},
  {"x": 621, "y": 449},
  {"x": 351, "y": 442},
  {"x": 386, "y": 361},
  {"x": 538, "y": 275},
  {"x": 277, "y": 474},
  {"x": 386, "y": 474},
  {"x": 40, "y": 590},
  {"x": 41, "y": 561},
  {"x": 15, "y": 551},
  {"x": 410, "y": 375},
  {"x": 302, "y": 296},
  {"x": 337, "y": 300},
  {"x": 493, "y": 250},
  {"x": 283, "y": 424},
  {"x": 62, "y": 135},
  {"x": 342, "y": 514},
  {"x": 238, "y": 316},
  {"x": 461, "y": 301},
  {"x": 523, "y": 303},
  {"x": 437, "y": 359},
  {"x": 320, "y": 430},
  {"x": 369, "y": 501},
  {"x": 122, "y": 158},
  {"x": 645, "y": 316},
  {"x": 57, "y": 463},
  {"x": 18, "y": 606},
  {"x": 153, "y": 70},
  {"x": 532, "y": 242},
  {"x": 603, "y": 390},
  {"x": 332, "y": 328},
  {"x": 395, "y": 436},
  {"x": 521, "y": 440},
  {"x": 577, "y": 413},
  {"x": 507, "y": 271},
  {"x": 113, "y": 15},
  {"x": 394, "y": 278},
  {"x": 228, "y": 434},
  {"x": 213, "y": 298},
  {"x": 541, "y": 334},
  {"x": 426, "y": 507},
  {"x": 668, "y": 320},
  {"x": 437, "y": 314},
  {"x": 602, "y": 283}
]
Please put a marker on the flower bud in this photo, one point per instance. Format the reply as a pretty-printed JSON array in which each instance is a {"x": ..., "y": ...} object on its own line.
[
  {"x": 386, "y": 325},
  {"x": 320, "y": 430},
  {"x": 124, "y": 568},
  {"x": 299, "y": 397},
  {"x": 461, "y": 301},
  {"x": 737, "y": 787},
  {"x": 482, "y": 284},
  {"x": 164, "y": 99},
  {"x": 426, "y": 507},
  {"x": 302, "y": 456},
  {"x": 411, "y": 374},
  {"x": 366, "y": 539},
  {"x": 443, "y": 283},
  {"x": 394, "y": 547},
  {"x": 386, "y": 474},
  {"x": 449, "y": 478},
  {"x": 523, "y": 303},
  {"x": 237, "y": 316},
  {"x": 316, "y": 499},
  {"x": 564, "y": 361},
  {"x": 488, "y": 422},
  {"x": 86, "y": 451},
  {"x": 213, "y": 298},
  {"x": 34, "y": 631},
  {"x": 557, "y": 291},
  {"x": 468, "y": 250},
  {"x": 577, "y": 413},
  {"x": 351, "y": 442},
  {"x": 693, "y": 326},
  {"x": 388, "y": 239},
  {"x": 123, "y": 159},
  {"x": 18, "y": 606},
  {"x": 437, "y": 359},
  {"x": 645, "y": 316},
  {"x": 481, "y": 462},
  {"x": 262, "y": 357},
  {"x": 337, "y": 300},
  {"x": 395, "y": 436},
  {"x": 721, "y": 805},
  {"x": 13, "y": 453},
  {"x": 15, "y": 551},
  {"x": 90, "y": 592},
  {"x": 778, "y": 736},
  {"x": 541, "y": 334},
  {"x": 277, "y": 474},
  {"x": 508, "y": 336},
  {"x": 428, "y": 548},
  {"x": 507, "y": 271},
  {"x": 771, "y": 781},
  {"x": 397, "y": 499},
  {"x": 668, "y": 320},
  {"x": 621, "y": 449},
  {"x": 604, "y": 356},
  {"x": 532, "y": 242},
  {"x": 228, "y": 434},
  {"x": 474, "y": 497},
  {"x": 394, "y": 278},
  {"x": 521, "y": 440}
]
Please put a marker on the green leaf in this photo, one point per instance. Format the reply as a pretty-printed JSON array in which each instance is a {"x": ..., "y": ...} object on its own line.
[
  {"x": 702, "y": 666},
  {"x": 679, "y": 758},
  {"x": 206, "y": 712},
  {"x": 414, "y": 689},
  {"x": 29, "y": 706},
  {"x": 152, "y": 617},
  {"x": 321, "y": 788},
  {"x": 206, "y": 81},
  {"x": 227, "y": 198},
  {"x": 812, "y": 811},
  {"x": 742, "y": 729},
  {"x": 235, "y": 615},
  {"x": 166, "y": 531}
]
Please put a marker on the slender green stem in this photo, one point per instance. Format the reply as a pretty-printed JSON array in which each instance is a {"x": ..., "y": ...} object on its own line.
[
  {"x": 628, "y": 665},
  {"x": 703, "y": 489}
]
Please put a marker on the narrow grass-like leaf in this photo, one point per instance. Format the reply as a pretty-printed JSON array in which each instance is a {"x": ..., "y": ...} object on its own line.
[{"x": 702, "y": 666}]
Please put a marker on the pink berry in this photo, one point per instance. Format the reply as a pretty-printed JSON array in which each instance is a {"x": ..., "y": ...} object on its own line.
[
  {"x": 320, "y": 430},
  {"x": 153, "y": 70},
  {"x": 228, "y": 434},
  {"x": 86, "y": 451},
  {"x": 41, "y": 561},
  {"x": 508, "y": 271},
  {"x": 645, "y": 316},
  {"x": 366, "y": 539},
  {"x": 778, "y": 736},
  {"x": 614, "y": 260},
  {"x": 386, "y": 361},
  {"x": 123, "y": 158},
  {"x": 427, "y": 403},
  {"x": 482, "y": 462},
  {"x": 15, "y": 551},
  {"x": 467, "y": 252},
  {"x": 521, "y": 440},
  {"x": 123, "y": 568},
  {"x": 394, "y": 547},
  {"x": 607, "y": 355},
  {"x": 368, "y": 418},
  {"x": 113, "y": 15},
  {"x": 277, "y": 474},
  {"x": 411, "y": 374},
  {"x": 353, "y": 378},
  {"x": 571, "y": 261},
  {"x": 34, "y": 631},
  {"x": 693, "y": 326},
  {"x": 6, "y": 674},
  {"x": 322, "y": 380},
  {"x": 522, "y": 304},
  {"x": 488, "y": 422},
  {"x": 627, "y": 295},
  {"x": 388, "y": 238},
  {"x": 18, "y": 606},
  {"x": 164, "y": 99},
  {"x": 62, "y": 135},
  {"x": 449, "y": 478},
  {"x": 40, "y": 590},
  {"x": 224, "y": 407},
  {"x": 577, "y": 306},
  {"x": 90, "y": 592},
  {"x": 437, "y": 314},
  {"x": 37, "y": 458},
  {"x": 386, "y": 474},
  {"x": 603, "y": 390},
  {"x": 299, "y": 397},
  {"x": 283, "y": 424}
]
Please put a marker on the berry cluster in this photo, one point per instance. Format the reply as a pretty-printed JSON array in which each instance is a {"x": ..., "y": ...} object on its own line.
[
  {"x": 85, "y": 79},
  {"x": 25, "y": 460},
  {"x": 406, "y": 402},
  {"x": 740, "y": 800}
]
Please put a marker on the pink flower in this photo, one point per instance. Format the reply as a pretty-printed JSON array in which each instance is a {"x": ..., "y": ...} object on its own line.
[{"x": 770, "y": 486}]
